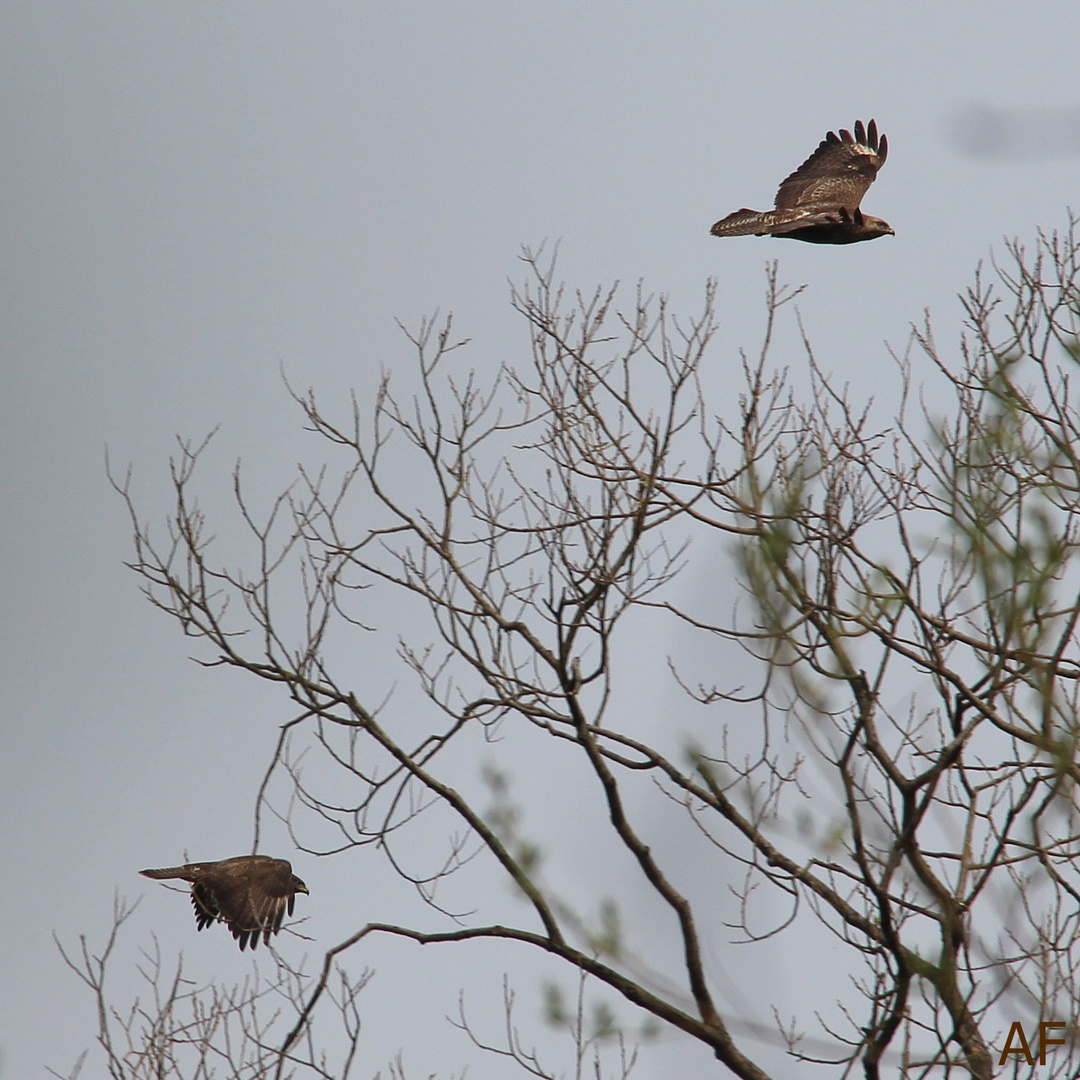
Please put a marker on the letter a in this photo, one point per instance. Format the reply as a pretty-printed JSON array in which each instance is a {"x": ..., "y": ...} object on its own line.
[{"x": 1017, "y": 1030}]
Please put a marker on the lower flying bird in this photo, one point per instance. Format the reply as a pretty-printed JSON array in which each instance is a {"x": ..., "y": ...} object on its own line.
[
  {"x": 819, "y": 201},
  {"x": 249, "y": 893}
]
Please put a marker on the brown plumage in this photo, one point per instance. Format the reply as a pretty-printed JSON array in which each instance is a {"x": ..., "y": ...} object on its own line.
[
  {"x": 249, "y": 893},
  {"x": 819, "y": 201}
]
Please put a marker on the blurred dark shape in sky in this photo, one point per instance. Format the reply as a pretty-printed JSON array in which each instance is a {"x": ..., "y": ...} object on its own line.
[{"x": 981, "y": 131}]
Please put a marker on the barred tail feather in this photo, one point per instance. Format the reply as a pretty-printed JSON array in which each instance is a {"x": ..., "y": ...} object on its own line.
[
  {"x": 168, "y": 872},
  {"x": 741, "y": 223},
  {"x": 755, "y": 223}
]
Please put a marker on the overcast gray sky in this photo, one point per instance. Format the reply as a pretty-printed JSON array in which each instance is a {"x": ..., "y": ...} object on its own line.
[{"x": 193, "y": 194}]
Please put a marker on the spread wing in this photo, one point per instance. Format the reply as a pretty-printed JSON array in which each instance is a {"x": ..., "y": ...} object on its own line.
[
  {"x": 837, "y": 173},
  {"x": 250, "y": 896}
]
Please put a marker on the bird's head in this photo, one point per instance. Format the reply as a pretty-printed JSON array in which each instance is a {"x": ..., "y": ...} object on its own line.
[
  {"x": 874, "y": 226},
  {"x": 299, "y": 886}
]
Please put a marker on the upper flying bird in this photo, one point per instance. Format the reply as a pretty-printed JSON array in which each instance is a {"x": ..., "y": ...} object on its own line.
[
  {"x": 249, "y": 893},
  {"x": 819, "y": 201}
]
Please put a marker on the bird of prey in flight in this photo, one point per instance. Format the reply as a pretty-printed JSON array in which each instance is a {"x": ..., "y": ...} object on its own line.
[
  {"x": 819, "y": 201},
  {"x": 249, "y": 894}
]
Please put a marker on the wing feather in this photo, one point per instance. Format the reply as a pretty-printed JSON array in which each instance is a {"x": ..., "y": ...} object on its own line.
[{"x": 838, "y": 172}]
